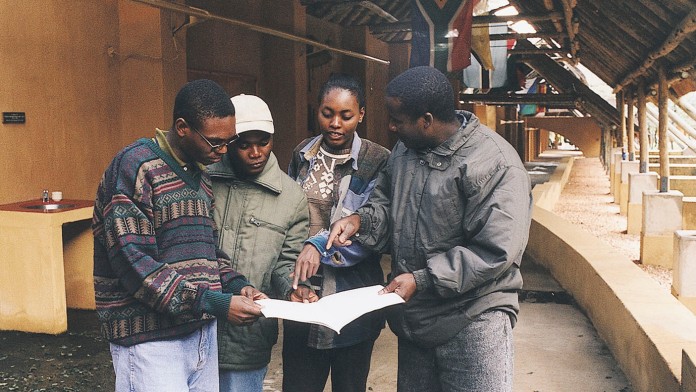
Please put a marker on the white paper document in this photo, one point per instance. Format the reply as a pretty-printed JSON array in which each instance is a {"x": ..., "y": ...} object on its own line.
[{"x": 333, "y": 311}]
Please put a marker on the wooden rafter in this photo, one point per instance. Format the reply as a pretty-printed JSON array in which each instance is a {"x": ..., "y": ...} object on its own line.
[
  {"x": 568, "y": 101},
  {"x": 534, "y": 51},
  {"x": 205, "y": 15},
  {"x": 377, "y": 10},
  {"x": 310, "y": 2},
  {"x": 516, "y": 36},
  {"x": 568, "y": 22},
  {"x": 384, "y": 28},
  {"x": 685, "y": 27},
  {"x": 571, "y": 27}
]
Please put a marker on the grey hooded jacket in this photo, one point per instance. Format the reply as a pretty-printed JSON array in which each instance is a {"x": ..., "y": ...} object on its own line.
[
  {"x": 262, "y": 224},
  {"x": 456, "y": 216}
]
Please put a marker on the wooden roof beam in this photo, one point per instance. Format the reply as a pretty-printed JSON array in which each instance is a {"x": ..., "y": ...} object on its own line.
[
  {"x": 571, "y": 26},
  {"x": 205, "y": 15},
  {"x": 682, "y": 31},
  {"x": 568, "y": 101},
  {"x": 311, "y": 2},
  {"x": 532, "y": 51},
  {"x": 383, "y": 28},
  {"x": 548, "y": 4},
  {"x": 677, "y": 72},
  {"x": 377, "y": 10},
  {"x": 515, "y": 36}
]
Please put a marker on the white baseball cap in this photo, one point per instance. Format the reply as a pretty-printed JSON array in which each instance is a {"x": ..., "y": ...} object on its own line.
[{"x": 252, "y": 114}]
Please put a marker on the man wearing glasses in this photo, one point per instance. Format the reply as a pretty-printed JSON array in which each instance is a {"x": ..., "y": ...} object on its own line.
[{"x": 160, "y": 279}]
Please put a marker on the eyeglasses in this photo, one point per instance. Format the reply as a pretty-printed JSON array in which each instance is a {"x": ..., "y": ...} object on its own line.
[{"x": 214, "y": 147}]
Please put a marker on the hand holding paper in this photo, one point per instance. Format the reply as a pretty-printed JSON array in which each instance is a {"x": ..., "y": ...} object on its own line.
[{"x": 333, "y": 311}]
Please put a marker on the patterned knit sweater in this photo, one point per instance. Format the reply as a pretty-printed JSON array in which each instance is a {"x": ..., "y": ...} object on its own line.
[{"x": 157, "y": 270}]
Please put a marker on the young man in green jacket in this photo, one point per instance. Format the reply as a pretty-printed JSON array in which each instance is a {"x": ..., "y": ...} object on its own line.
[{"x": 263, "y": 220}]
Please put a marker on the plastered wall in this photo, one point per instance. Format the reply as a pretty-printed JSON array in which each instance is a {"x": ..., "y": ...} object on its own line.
[
  {"x": 90, "y": 79},
  {"x": 583, "y": 132}
]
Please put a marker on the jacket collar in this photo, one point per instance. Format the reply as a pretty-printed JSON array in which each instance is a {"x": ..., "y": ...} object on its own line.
[
  {"x": 469, "y": 122},
  {"x": 312, "y": 149},
  {"x": 439, "y": 158},
  {"x": 270, "y": 178}
]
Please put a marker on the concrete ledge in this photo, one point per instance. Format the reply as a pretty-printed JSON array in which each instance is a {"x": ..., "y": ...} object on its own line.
[
  {"x": 634, "y": 218},
  {"x": 648, "y": 331},
  {"x": 683, "y": 184},
  {"x": 688, "y": 372},
  {"x": 689, "y": 213},
  {"x": 676, "y": 169},
  {"x": 656, "y": 249},
  {"x": 644, "y": 326},
  {"x": 623, "y": 198},
  {"x": 547, "y": 194}
]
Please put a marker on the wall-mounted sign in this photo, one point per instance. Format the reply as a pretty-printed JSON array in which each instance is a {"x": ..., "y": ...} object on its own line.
[{"x": 14, "y": 118}]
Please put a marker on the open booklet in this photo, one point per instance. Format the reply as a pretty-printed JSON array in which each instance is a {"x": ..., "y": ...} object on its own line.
[{"x": 333, "y": 311}]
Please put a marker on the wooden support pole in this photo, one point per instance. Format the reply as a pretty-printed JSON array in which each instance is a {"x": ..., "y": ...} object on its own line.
[
  {"x": 643, "y": 127},
  {"x": 662, "y": 128},
  {"x": 622, "y": 115},
  {"x": 631, "y": 126}
]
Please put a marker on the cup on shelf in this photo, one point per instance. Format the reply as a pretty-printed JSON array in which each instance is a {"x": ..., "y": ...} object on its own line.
[{"x": 56, "y": 196}]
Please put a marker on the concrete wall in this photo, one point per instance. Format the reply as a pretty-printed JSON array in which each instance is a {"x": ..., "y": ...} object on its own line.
[
  {"x": 689, "y": 213},
  {"x": 583, "y": 132},
  {"x": 546, "y": 195},
  {"x": 645, "y": 327}
]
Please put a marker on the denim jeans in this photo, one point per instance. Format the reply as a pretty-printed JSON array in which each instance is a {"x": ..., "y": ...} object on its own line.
[
  {"x": 478, "y": 358},
  {"x": 242, "y": 380},
  {"x": 186, "y": 364}
]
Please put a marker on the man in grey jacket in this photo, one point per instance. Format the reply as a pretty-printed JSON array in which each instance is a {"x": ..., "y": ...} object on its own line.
[
  {"x": 263, "y": 221},
  {"x": 454, "y": 207}
]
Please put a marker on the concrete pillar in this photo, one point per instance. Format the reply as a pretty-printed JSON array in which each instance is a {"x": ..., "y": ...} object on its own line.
[
  {"x": 637, "y": 184},
  {"x": 684, "y": 268},
  {"x": 627, "y": 167},
  {"x": 615, "y": 173},
  {"x": 612, "y": 165},
  {"x": 689, "y": 213},
  {"x": 662, "y": 216}
]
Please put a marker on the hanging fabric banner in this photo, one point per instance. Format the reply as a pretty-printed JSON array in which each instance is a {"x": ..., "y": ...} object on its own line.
[
  {"x": 441, "y": 34},
  {"x": 484, "y": 77}
]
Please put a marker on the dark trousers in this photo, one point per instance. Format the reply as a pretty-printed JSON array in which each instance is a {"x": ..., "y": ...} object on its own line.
[{"x": 306, "y": 369}]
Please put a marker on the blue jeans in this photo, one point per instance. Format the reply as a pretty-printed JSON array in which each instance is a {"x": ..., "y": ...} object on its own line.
[
  {"x": 478, "y": 358},
  {"x": 186, "y": 364},
  {"x": 242, "y": 380}
]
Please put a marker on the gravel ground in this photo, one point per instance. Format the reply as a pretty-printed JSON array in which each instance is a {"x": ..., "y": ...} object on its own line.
[
  {"x": 77, "y": 360},
  {"x": 586, "y": 201}
]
